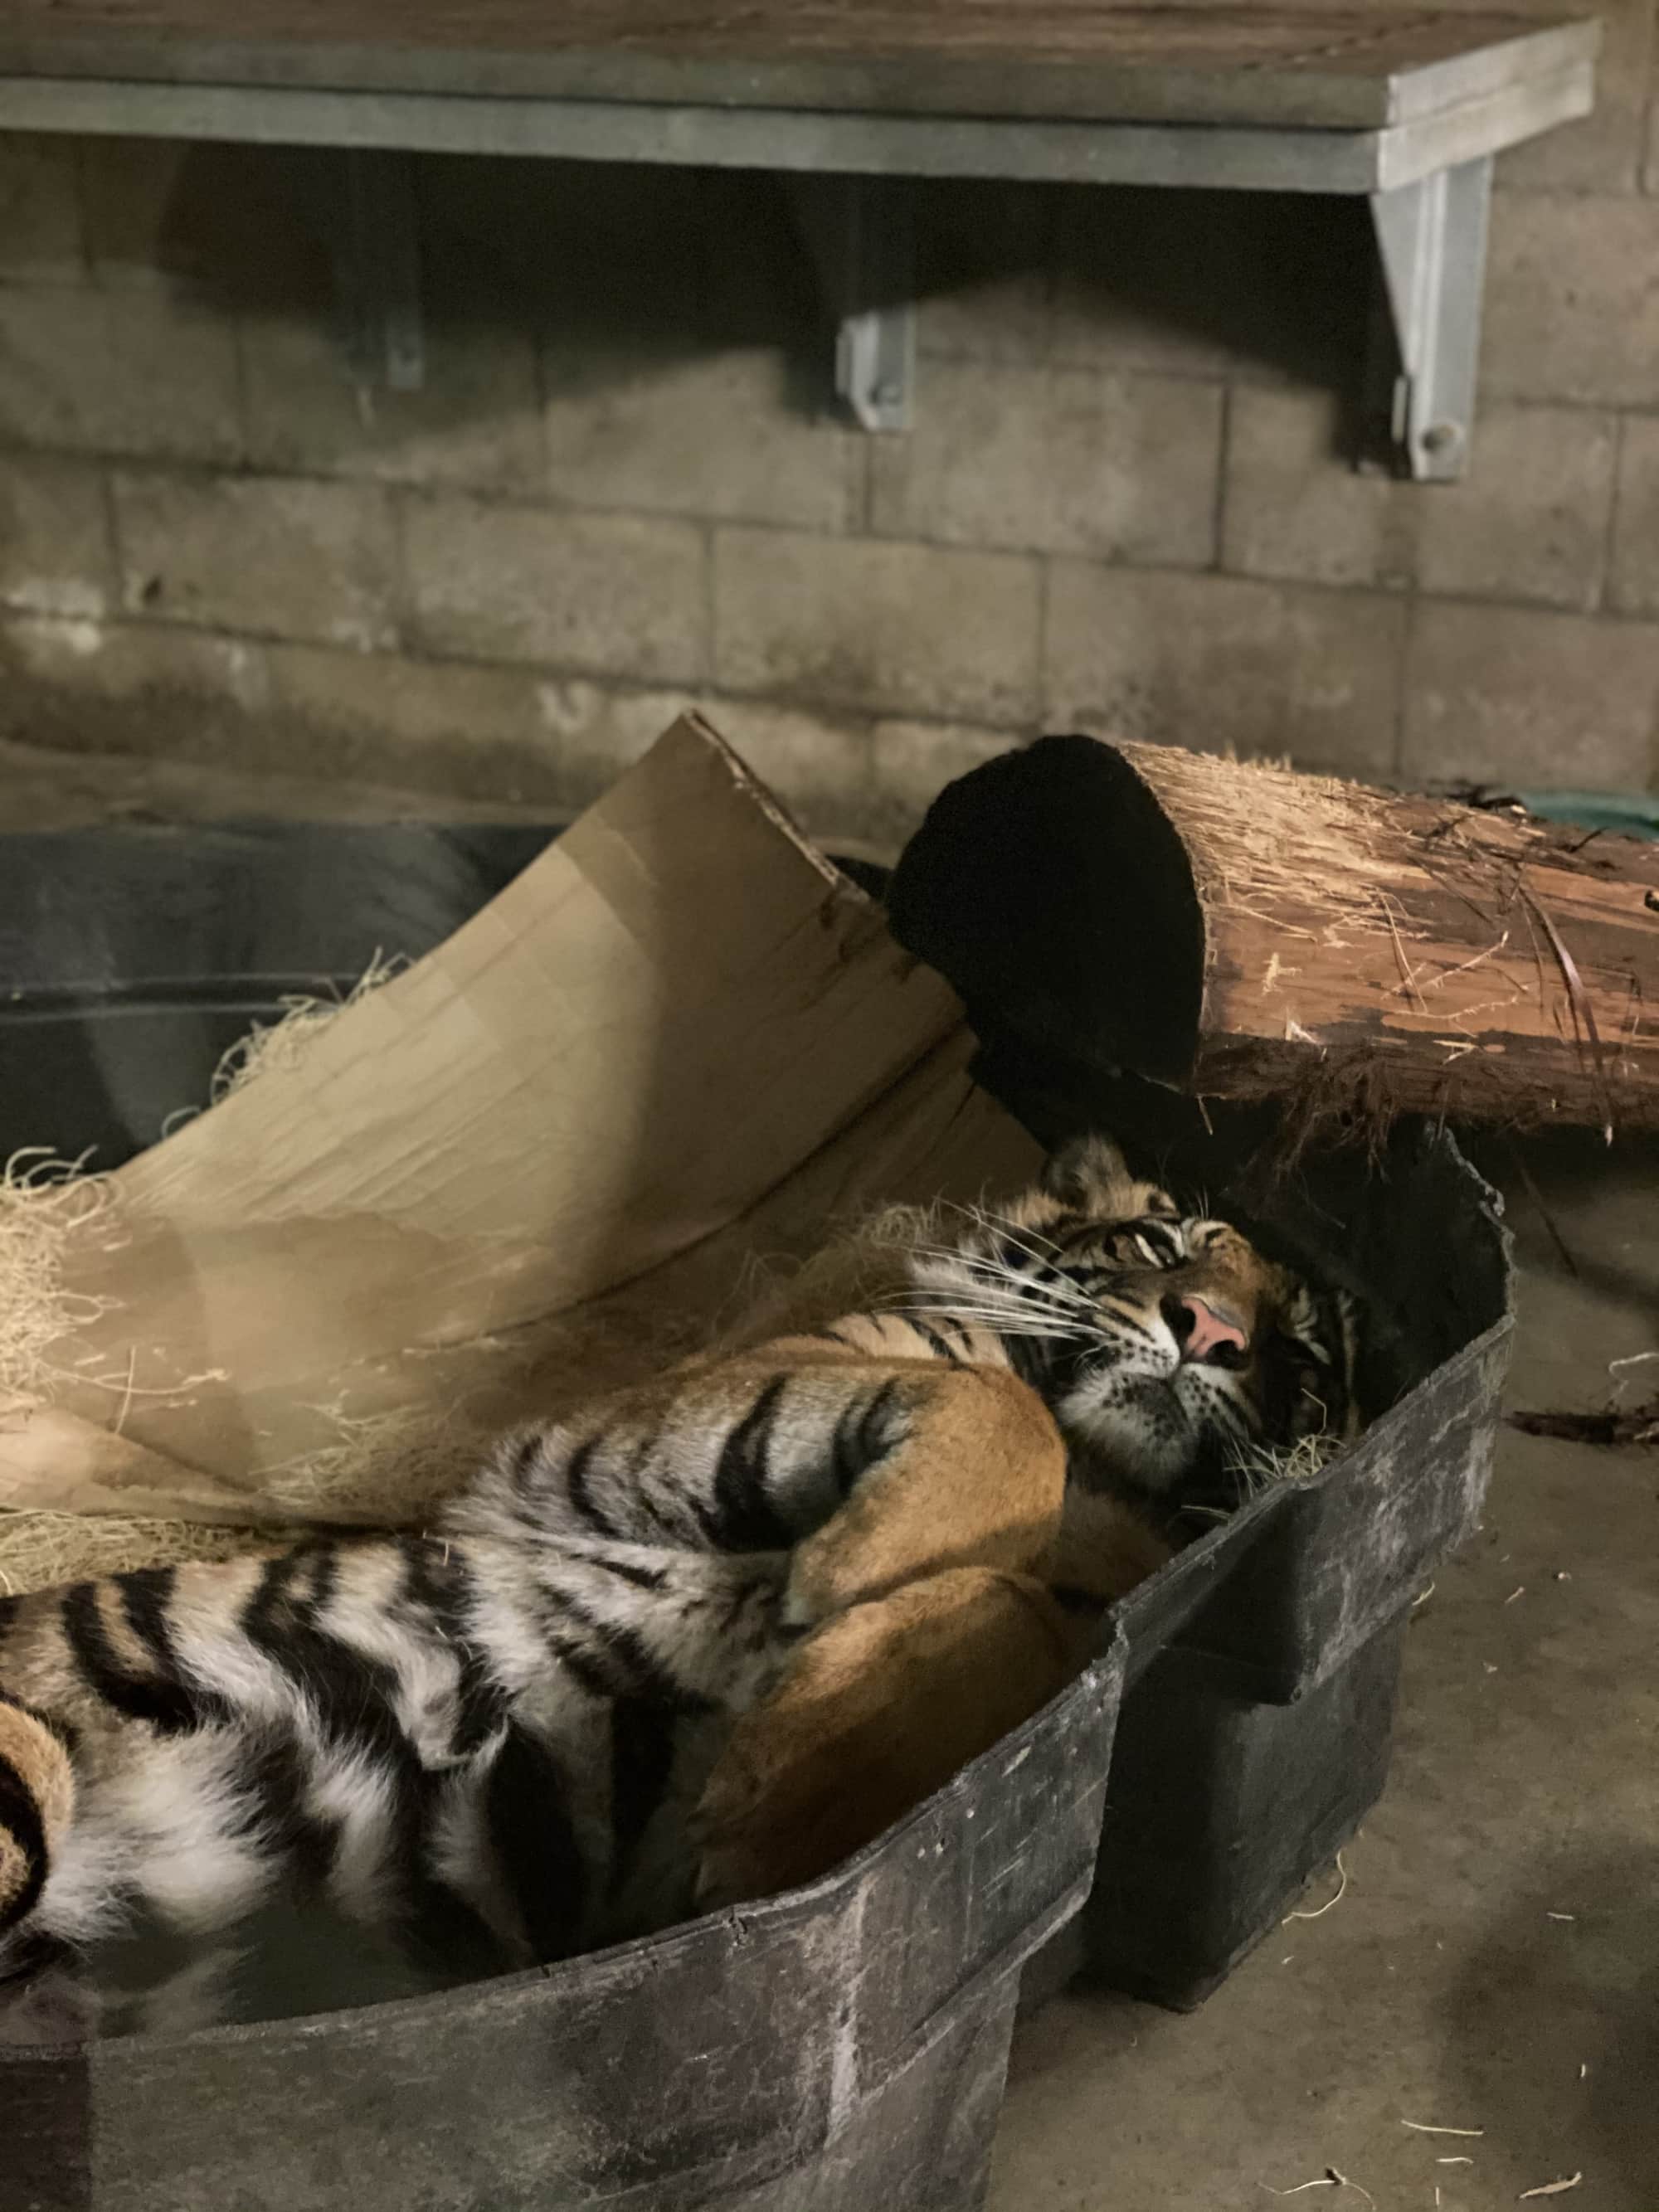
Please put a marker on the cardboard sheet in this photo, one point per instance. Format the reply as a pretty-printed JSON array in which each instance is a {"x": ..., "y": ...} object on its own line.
[{"x": 538, "y": 1162}]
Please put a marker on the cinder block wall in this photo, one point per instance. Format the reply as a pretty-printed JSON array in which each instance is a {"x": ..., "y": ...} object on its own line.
[{"x": 1122, "y": 507}]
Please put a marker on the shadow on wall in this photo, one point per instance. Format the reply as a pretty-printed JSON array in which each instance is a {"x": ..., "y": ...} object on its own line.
[{"x": 628, "y": 260}]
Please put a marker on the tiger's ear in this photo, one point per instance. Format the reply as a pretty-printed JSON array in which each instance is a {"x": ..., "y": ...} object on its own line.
[{"x": 1090, "y": 1175}]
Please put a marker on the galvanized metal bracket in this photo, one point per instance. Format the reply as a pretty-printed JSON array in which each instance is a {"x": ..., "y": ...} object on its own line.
[
  {"x": 1432, "y": 239},
  {"x": 377, "y": 264},
  {"x": 860, "y": 232}
]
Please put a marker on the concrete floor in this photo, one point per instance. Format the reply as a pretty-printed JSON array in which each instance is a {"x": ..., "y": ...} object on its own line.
[{"x": 1525, "y": 1785}]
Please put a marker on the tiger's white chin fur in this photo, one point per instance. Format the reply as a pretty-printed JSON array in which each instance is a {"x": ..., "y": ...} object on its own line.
[{"x": 1135, "y": 1429}]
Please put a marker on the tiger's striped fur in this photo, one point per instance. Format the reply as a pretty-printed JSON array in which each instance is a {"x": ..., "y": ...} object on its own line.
[{"x": 490, "y": 1738}]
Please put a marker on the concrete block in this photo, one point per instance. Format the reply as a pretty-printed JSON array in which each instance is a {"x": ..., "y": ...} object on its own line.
[
  {"x": 1603, "y": 154},
  {"x": 123, "y": 374},
  {"x": 876, "y": 628},
  {"x": 912, "y": 762},
  {"x": 54, "y": 537},
  {"x": 474, "y": 424},
  {"x": 1572, "y": 300},
  {"x": 1258, "y": 285},
  {"x": 1496, "y": 694},
  {"x": 505, "y": 736},
  {"x": 984, "y": 270},
  {"x": 386, "y": 705},
  {"x": 265, "y": 555},
  {"x": 685, "y": 430},
  {"x": 1634, "y": 585},
  {"x": 1528, "y": 522},
  {"x": 604, "y": 594},
  {"x": 40, "y": 240},
  {"x": 94, "y": 686},
  {"x": 1055, "y": 460},
  {"x": 589, "y": 733},
  {"x": 1214, "y": 663},
  {"x": 819, "y": 764}
]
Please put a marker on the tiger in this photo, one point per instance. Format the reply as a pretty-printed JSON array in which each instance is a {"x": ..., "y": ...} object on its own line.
[{"x": 691, "y": 1643}]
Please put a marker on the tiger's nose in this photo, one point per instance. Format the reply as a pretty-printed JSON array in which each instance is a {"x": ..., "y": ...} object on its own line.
[{"x": 1201, "y": 1330}]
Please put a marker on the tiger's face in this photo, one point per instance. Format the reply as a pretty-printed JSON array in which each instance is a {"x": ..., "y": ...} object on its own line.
[{"x": 1170, "y": 1349}]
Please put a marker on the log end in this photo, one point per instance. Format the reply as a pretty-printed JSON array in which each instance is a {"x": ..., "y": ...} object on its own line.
[{"x": 1050, "y": 888}]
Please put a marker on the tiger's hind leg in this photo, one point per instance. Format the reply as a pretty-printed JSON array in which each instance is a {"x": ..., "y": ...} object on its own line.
[{"x": 878, "y": 1707}]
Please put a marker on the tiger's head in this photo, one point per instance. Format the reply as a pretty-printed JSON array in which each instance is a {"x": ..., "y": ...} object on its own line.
[{"x": 1172, "y": 1352}]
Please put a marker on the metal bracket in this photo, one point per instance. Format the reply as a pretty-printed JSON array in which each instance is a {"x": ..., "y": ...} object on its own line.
[
  {"x": 377, "y": 263},
  {"x": 860, "y": 232},
  {"x": 1432, "y": 238}
]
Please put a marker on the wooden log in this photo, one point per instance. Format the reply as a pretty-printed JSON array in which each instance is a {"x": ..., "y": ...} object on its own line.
[{"x": 1249, "y": 933}]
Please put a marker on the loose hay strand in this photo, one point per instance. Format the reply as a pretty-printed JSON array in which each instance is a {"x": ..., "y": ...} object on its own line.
[
  {"x": 409, "y": 1457},
  {"x": 283, "y": 1043},
  {"x": 39, "y": 1549},
  {"x": 44, "y": 1202},
  {"x": 1330, "y": 1905},
  {"x": 1331, "y": 2178}
]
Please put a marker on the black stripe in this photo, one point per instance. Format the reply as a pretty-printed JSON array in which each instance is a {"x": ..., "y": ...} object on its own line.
[
  {"x": 527, "y": 1457},
  {"x": 1029, "y": 1357},
  {"x": 436, "y": 1583},
  {"x": 1123, "y": 1312},
  {"x": 748, "y": 1519},
  {"x": 880, "y": 1425},
  {"x": 644, "y": 1578},
  {"x": 641, "y": 1764},
  {"x": 67, "y": 1736},
  {"x": 352, "y": 1696},
  {"x": 20, "y": 1815},
  {"x": 351, "y": 1693},
  {"x": 147, "y": 1594},
  {"x": 867, "y": 1430},
  {"x": 270, "y": 1780},
  {"x": 576, "y": 1470},
  {"x": 847, "y": 1461},
  {"x": 168, "y": 1706},
  {"x": 535, "y": 1843},
  {"x": 642, "y": 1455},
  {"x": 932, "y": 1337},
  {"x": 632, "y": 1668}
]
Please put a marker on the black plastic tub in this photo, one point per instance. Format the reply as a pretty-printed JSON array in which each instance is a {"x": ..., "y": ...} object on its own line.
[
  {"x": 1270, "y": 1652},
  {"x": 841, "y": 2047}
]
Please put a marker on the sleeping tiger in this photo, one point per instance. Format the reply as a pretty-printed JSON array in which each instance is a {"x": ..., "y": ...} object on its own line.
[{"x": 696, "y": 1643}]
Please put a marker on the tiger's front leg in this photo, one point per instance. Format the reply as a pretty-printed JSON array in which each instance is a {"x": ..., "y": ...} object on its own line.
[
  {"x": 759, "y": 1451},
  {"x": 976, "y": 1477}
]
